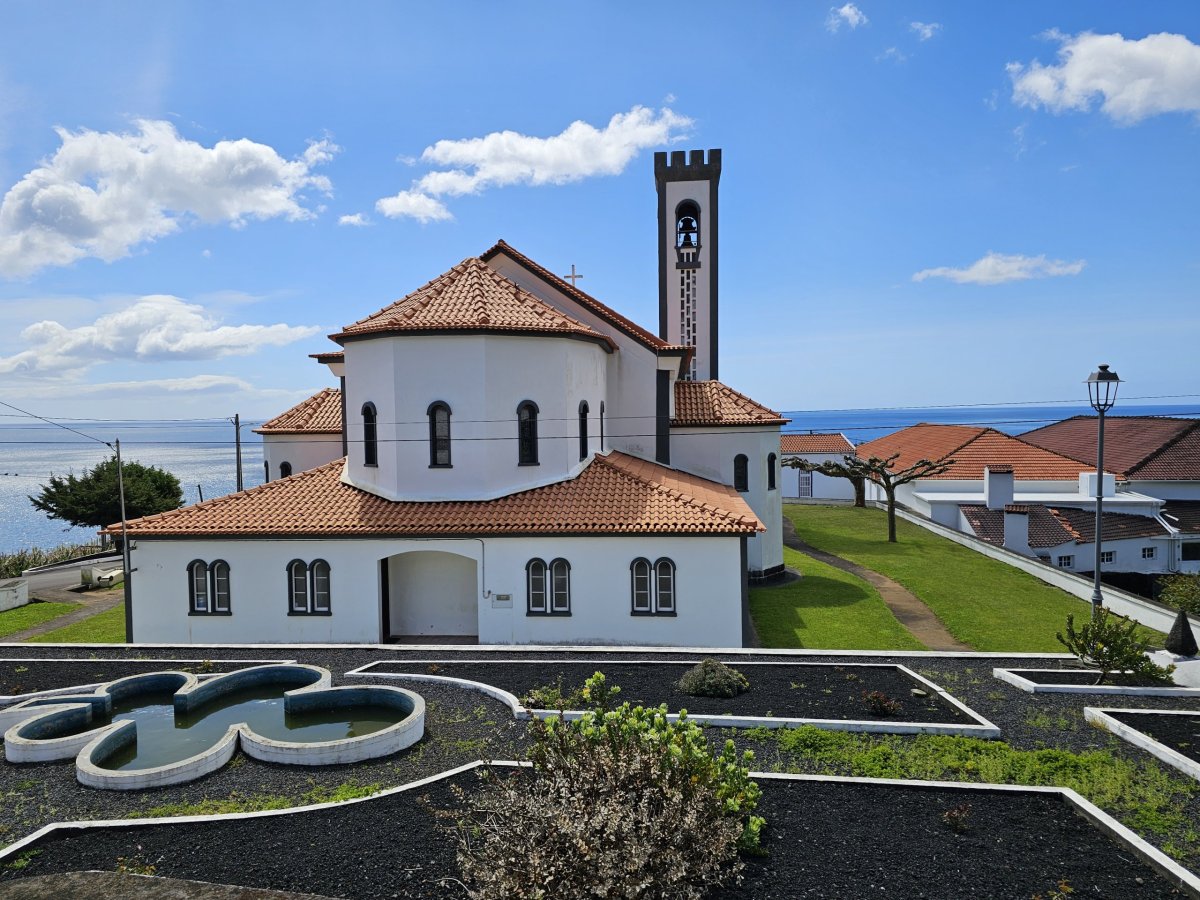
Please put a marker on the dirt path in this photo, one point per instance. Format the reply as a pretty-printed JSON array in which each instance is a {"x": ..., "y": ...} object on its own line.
[
  {"x": 92, "y": 603},
  {"x": 905, "y": 606}
]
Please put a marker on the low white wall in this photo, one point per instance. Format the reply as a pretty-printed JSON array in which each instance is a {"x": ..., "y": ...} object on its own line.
[
  {"x": 13, "y": 594},
  {"x": 1151, "y": 614}
]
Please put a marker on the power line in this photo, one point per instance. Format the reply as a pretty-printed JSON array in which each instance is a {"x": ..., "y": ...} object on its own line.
[{"x": 56, "y": 424}]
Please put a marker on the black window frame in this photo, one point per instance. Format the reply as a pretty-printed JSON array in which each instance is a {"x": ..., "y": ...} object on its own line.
[
  {"x": 648, "y": 591},
  {"x": 527, "y": 433},
  {"x": 554, "y": 593},
  {"x": 302, "y": 583},
  {"x": 653, "y": 591},
  {"x": 207, "y": 576},
  {"x": 584, "y": 410},
  {"x": 370, "y": 417},
  {"x": 285, "y": 469},
  {"x": 439, "y": 445},
  {"x": 1189, "y": 551},
  {"x": 772, "y": 462},
  {"x": 741, "y": 473},
  {"x": 536, "y": 568}
]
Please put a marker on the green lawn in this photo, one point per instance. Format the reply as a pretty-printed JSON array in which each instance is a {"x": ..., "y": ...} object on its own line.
[
  {"x": 983, "y": 602},
  {"x": 827, "y": 609},
  {"x": 106, "y": 628},
  {"x": 33, "y": 613}
]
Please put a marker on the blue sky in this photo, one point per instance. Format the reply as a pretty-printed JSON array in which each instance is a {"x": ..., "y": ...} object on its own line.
[{"x": 922, "y": 203}]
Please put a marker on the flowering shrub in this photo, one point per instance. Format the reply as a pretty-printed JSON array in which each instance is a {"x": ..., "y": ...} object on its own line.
[{"x": 621, "y": 802}]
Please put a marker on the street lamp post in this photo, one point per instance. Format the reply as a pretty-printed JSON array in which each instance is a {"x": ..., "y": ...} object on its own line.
[{"x": 1102, "y": 394}]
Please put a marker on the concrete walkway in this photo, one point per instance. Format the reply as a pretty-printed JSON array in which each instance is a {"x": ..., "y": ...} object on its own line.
[{"x": 905, "y": 606}]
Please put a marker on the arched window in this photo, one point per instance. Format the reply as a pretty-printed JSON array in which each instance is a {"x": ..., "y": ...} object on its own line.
[
  {"x": 535, "y": 581},
  {"x": 560, "y": 588},
  {"x": 583, "y": 429},
  {"x": 601, "y": 426},
  {"x": 687, "y": 226},
  {"x": 439, "y": 435},
  {"x": 308, "y": 588},
  {"x": 639, "y": 575},
  {"x": 297, "y": 571},
  {"x": 208, "y": 588},
  {"x": 527, "y": 435},
  {"x": 219, "y": 576},
  {"x": 741, "y": 473},
  {"x": 198, "y": 587},
  {"x": 771, "y": 463},
  {"x": 664, "y": 587},
  {"x": 266, "y": 471},
  {"x": 370, "y": 435},
  {"x": 285, "y": 469}
]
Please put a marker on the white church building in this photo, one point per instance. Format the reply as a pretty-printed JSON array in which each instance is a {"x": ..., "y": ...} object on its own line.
[{"x": 506, "y": 459}]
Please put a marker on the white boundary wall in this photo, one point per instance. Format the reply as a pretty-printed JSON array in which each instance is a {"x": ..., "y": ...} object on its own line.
[{"x": 1147, "y": 612}]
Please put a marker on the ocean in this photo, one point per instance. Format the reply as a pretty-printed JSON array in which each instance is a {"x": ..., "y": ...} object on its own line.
[{"x": 201, "y": 454}]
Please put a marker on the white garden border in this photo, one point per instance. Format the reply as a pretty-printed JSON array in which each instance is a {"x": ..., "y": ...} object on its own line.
[
  {"x": 1152, "y": 856},
  {"x": 1017, "y": 680},
  {"x": 981, "y": 729},
  {"x": 1101, "y": 717},
  {"x": 22, "y": 743},
  {"x": 13, "y": 699}
]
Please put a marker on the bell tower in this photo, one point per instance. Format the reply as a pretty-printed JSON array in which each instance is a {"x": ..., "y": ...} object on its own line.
[{"x": 687, "y": 254}]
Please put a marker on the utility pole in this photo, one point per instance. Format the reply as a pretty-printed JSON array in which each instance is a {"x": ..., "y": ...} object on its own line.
[
  {"x": 128, "y": 569},
  {"x": 237, "y": 442}
]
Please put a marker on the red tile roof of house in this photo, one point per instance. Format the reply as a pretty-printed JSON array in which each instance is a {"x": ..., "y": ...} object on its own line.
[
  {"x": 319, "y": 414},
  {"x": 333, "y": 356},
  {"x": 1152, "y": 448},
  {"x": 713, "y": 403},
  {"x": 972, "y": 448},
  {"x": 815, "y": 443},
  {"x": 614, "y": 494},
  {"x": 1054, "y": 526},
  {"x": 1183, "y": 515},
  {"x": 610, "y": 315},
  {"x": 471, "y": 297}
]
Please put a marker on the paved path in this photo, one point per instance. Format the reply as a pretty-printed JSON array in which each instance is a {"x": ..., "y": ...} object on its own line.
[{"x": 905, "y": 606}]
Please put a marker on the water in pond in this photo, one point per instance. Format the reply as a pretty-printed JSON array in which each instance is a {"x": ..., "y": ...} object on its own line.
[{"x": 164, "y": 737}]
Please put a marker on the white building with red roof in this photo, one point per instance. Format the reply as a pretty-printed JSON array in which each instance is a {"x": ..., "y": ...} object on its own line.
[
  {"x": 506, "y": 459},
  {"x": 815, "y": 448}
]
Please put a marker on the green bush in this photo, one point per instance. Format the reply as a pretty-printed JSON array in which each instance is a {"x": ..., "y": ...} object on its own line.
[
  {"x": 619, "y": 803},
  {"x": 712, "y": 678},
  {"x": 1181, "y": 591},
  {"x": 13, "y": 564},
  {"x": 1109, "y": 642}
]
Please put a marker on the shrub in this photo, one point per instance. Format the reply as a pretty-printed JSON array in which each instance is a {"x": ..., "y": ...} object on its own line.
[
  {"x": 1181, "y": 591},
  {"x": 553, "y": 696},
  {"x": 1108, "y": 642},
  {"x": 712, "y": 678},
  {"x": 619, "y": 803},
  {"x": 13, "y": 564},
  {"x": 958, "y": 818},
  {"x": 880, "y": 703}
]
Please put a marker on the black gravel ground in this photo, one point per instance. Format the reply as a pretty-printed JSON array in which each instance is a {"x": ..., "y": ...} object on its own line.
[
  {"x": 833, "y": 691},
  {"x": 823, "y": 841},
  {"x": 1180, "y": 733},
  {"x": 1087, "y": 676},
  {"x": 27, "y": 676},
  {"x": 463, "y": 726}
]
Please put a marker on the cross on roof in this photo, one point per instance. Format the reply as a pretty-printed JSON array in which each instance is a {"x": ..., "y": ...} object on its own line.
[{"x": 573, "y": 277}]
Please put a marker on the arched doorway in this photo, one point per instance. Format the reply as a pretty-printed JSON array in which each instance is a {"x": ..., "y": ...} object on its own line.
[{"x": 431, "y": 593}]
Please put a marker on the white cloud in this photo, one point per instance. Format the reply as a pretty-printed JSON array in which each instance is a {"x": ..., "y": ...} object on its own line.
[
  {"x": 998, "y": 268},
  {"x": 849, "y": 15},
  {"x": 102, "y": 193},
  {"x": 1158, "y": 74},
  {"x": 358, "y": 220},
  {"x": 153, "y": 328},
  {"x": 925, "y": 30},
  {"x": 893, "y": 54},
  {"x": 503, "y": 158}
]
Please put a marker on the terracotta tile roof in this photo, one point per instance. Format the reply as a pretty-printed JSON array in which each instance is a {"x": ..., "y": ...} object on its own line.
[
  {"x": 333, "y": 356},
  {"x": 614, "y": 494},
  {"x": 319, "y": 414},
  {"x": 1141, "y": 447},
  {"x": 713, "y": 403},
  {"x": 1183, "y": 515},
  {"x": 1055, "y": 526},
  {"x": 972, "y": 448},
  {"x": 470, "y": 297},
  {"x": 631, "y": 328},
  {"x": 815, "y": 443}
]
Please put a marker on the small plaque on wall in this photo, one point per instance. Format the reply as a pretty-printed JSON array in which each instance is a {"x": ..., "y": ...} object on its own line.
[{"x": 501, "y": 601}]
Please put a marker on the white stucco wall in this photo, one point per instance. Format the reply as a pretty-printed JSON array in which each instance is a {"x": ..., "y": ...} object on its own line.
[
  {"x": 708, "y": 590},
  {"x": 1167, "y": 490},
  {"x": 482, "y": 379},
  {"x": 709, "y": 453},
  {"x": 303, "y": 451},
  {"x": 823, "y": 487}
]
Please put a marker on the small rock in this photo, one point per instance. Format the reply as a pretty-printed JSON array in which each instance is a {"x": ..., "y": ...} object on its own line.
[{"x": 917, "y": 692}]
